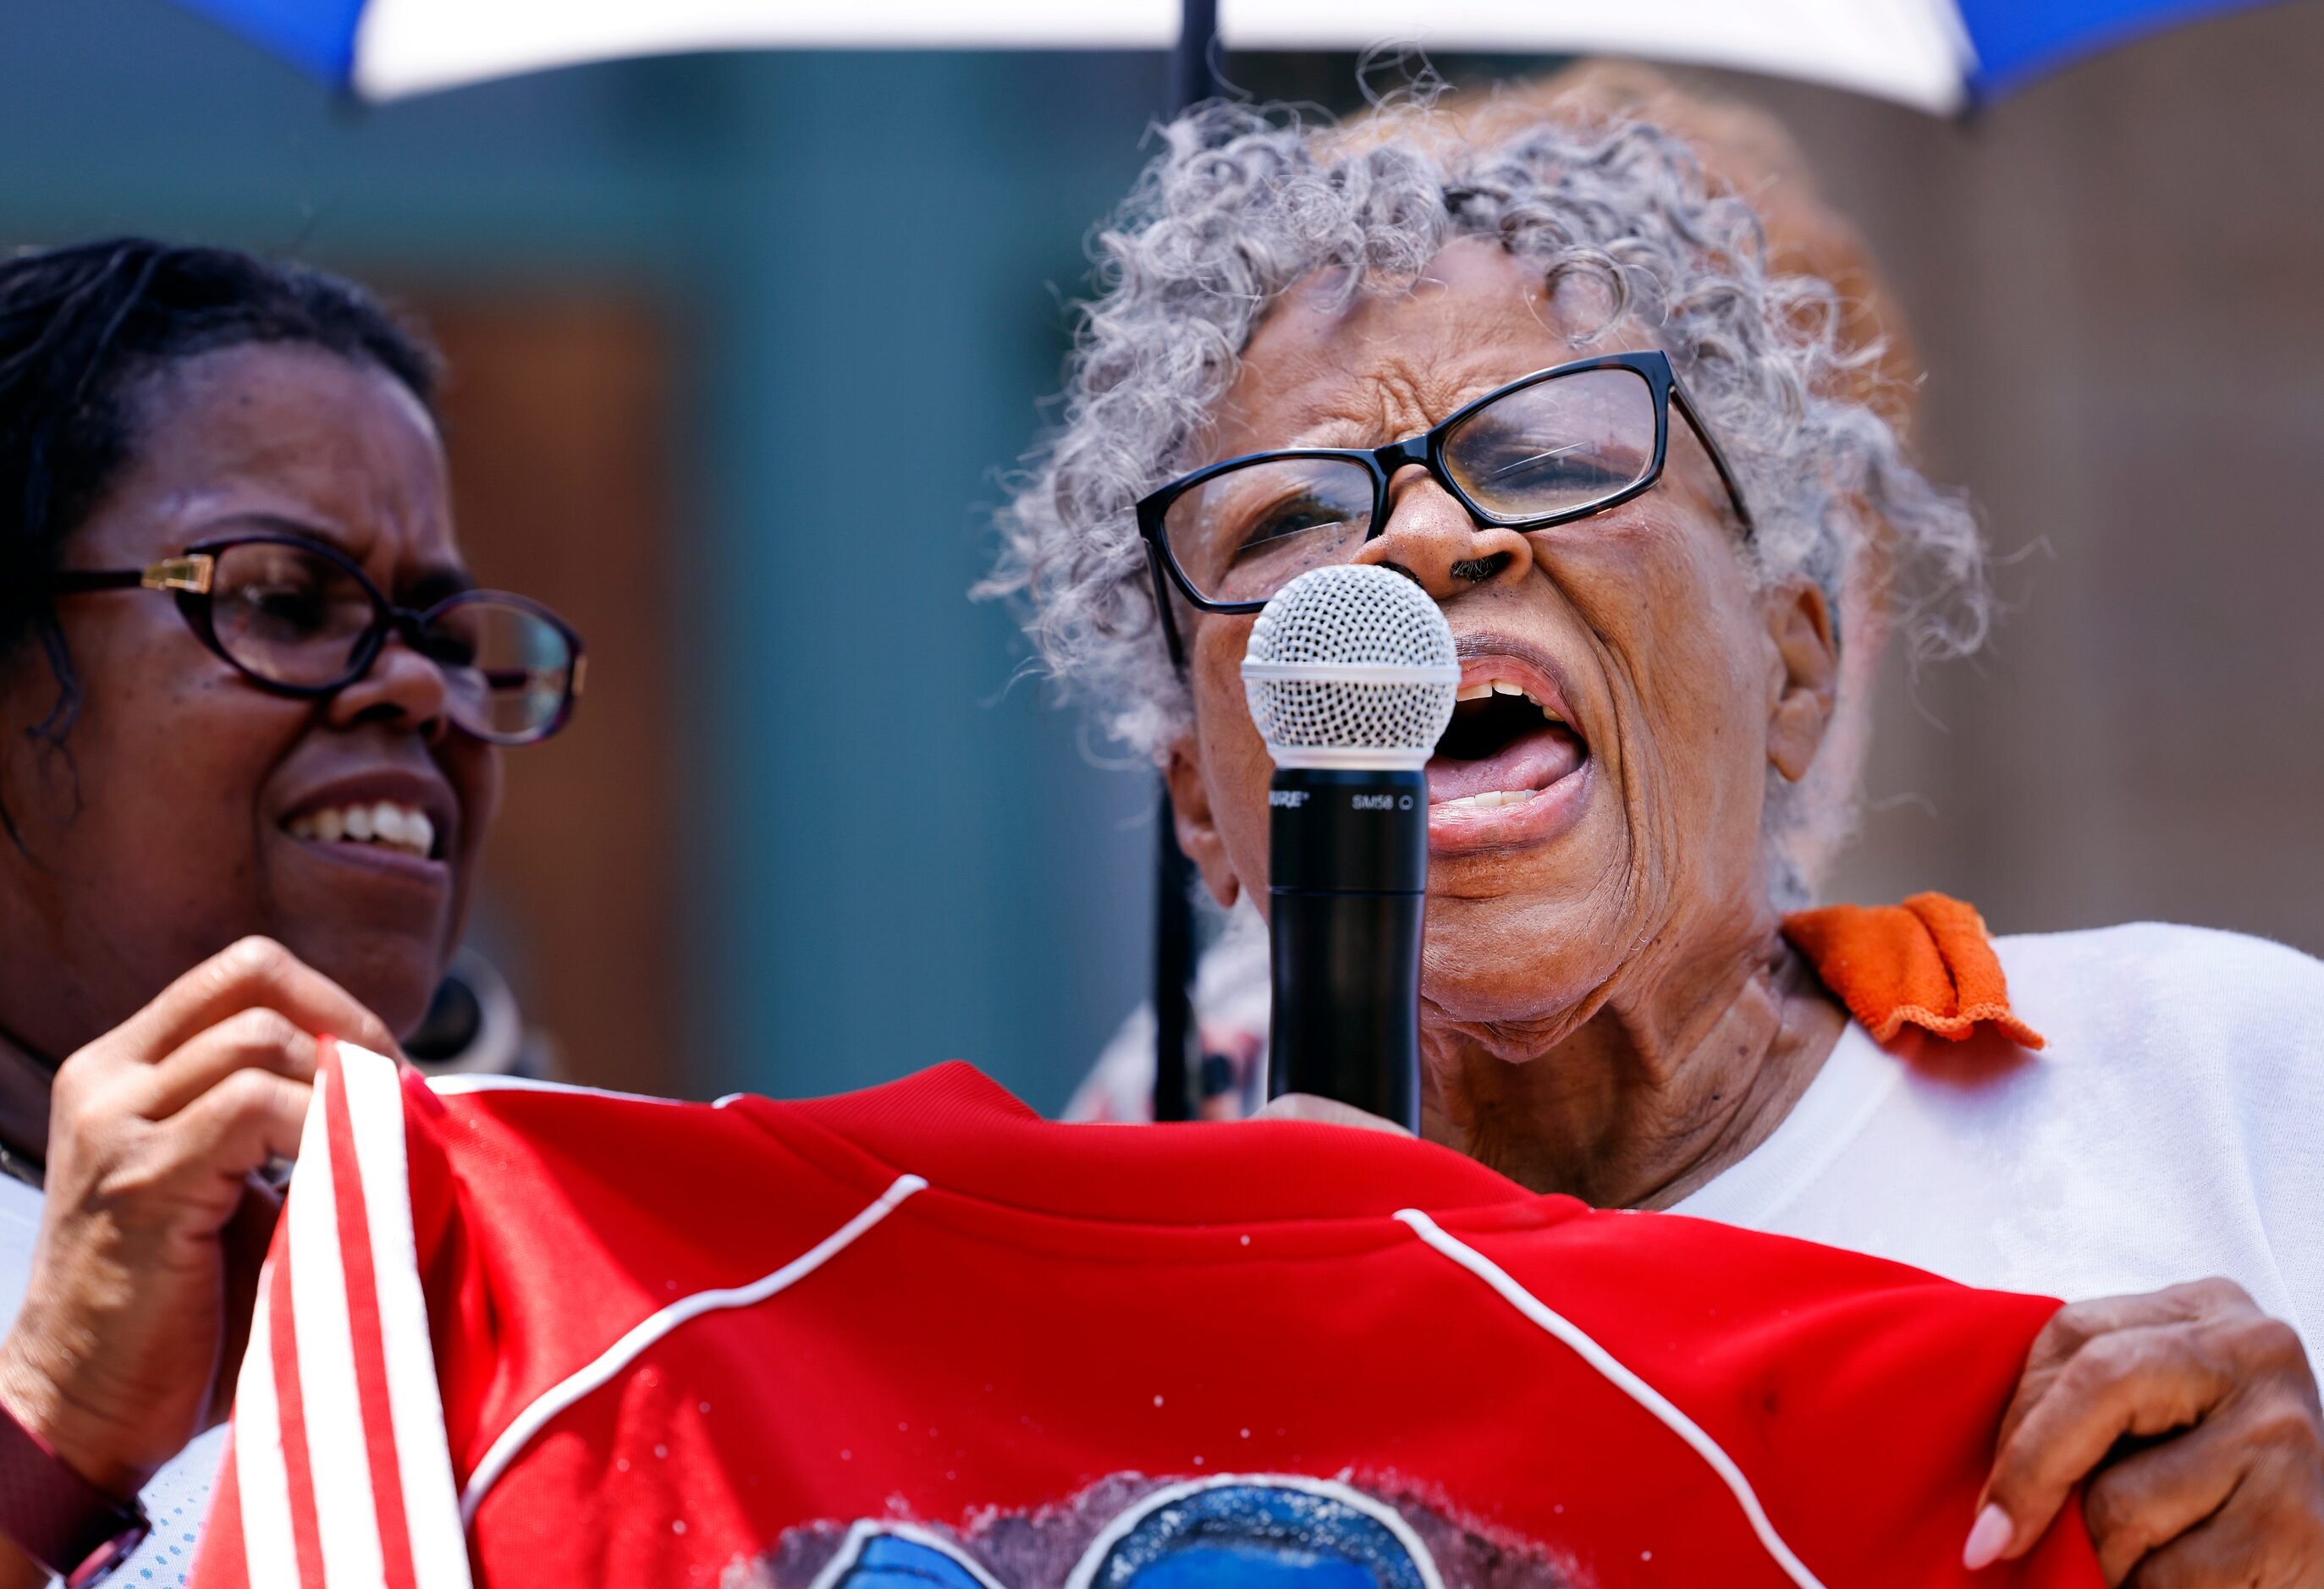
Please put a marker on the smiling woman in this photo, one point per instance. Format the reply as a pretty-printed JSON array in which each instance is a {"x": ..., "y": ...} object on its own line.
[
  {"x": 250, "y": 707},
  {"x": 1550, "y": 366}
]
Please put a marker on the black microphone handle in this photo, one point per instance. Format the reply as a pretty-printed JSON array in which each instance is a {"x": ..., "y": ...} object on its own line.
[{"x": 1346, "y": 897}]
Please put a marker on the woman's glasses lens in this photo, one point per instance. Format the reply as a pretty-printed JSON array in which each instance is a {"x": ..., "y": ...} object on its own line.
[
  {"x": 288, "y": 614},
  {"x": 293, "y": 616},
  {"x": 1556, "y": 446},
  {"x": 510, "y": 668},
  {"x": 1244, "y": 535}
]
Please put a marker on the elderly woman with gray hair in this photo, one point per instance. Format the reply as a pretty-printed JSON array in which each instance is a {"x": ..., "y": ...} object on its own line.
[{"x": 1669, "y": 533}]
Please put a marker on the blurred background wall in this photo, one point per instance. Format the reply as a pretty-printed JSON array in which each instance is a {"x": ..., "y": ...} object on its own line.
[
  {"x": 741, "y": 344},
  {"x": 2118, "y": 280}
]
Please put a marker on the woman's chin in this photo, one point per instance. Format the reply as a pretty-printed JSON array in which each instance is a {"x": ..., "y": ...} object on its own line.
[
  {"x": 1479, "y": 999},
  {"x": 1518, "y": 820},
  {"x": 396, "y": 982},
  {"x": 390, "y": 966}
]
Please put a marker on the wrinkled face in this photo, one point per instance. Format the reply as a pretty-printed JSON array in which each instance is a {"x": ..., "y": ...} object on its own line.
[
  {"x": 188, "y": 806},
  {"x": 1595, "y": 807}
]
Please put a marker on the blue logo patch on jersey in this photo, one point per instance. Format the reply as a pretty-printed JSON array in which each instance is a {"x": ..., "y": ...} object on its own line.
[
  {"x": 1234, "y": 1531},
  {"x": 895, "y": 1556},
  {"x": 1257, "y": 1533}
]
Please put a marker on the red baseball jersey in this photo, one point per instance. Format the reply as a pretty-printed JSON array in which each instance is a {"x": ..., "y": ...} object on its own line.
[{"x": 512, "y": 1334}]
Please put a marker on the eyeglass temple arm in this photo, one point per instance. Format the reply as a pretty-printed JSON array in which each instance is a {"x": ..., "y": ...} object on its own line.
[
  {"x": 190, "y": 573},
  {"x": 1718, "y": 459},
  {"x": 1162, "y": 609}
]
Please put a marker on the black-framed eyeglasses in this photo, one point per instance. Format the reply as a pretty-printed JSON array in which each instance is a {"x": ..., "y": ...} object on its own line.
[
  {"x": 1556, "y": 446},
  {"x": 299, "y": 618}
]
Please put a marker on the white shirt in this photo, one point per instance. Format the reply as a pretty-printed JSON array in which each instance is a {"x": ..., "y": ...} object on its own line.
[
  {"x": 178, "y": 1498},
  {"x": 2173, "y": 1129}
]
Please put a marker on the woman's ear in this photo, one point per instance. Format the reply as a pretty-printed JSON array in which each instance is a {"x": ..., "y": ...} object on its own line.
[
  {"x": 1198, "y": 832},
  {"x": 1803, "y": 676}
]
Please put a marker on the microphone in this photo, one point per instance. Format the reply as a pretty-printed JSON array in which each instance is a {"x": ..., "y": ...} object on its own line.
[{"x": 1350, "y": 676}]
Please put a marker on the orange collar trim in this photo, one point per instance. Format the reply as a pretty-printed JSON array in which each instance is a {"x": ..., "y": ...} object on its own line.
[{"x": 1928, "y": 962}]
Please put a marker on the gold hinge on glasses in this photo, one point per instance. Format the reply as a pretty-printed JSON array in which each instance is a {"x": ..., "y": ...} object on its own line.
[{"x": 189, "y": 573}]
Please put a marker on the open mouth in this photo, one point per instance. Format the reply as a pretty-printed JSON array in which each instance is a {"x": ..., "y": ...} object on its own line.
[
  {"x": 385, "y": 824},
  {"x": 1503, "y": 747}
]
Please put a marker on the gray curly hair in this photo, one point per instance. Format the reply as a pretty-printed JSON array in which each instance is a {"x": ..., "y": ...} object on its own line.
[{"x": 1243, "y": 202}]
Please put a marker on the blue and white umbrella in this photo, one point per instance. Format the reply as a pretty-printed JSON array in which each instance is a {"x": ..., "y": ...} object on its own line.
[{"x": 1943, "y": 56}]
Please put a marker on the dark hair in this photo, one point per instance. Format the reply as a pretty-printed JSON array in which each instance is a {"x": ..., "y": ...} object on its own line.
[{"x": 79, "y": 326}]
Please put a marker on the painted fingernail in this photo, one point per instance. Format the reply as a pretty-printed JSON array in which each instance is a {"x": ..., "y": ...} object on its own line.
[{"x": 1987, "y": 1539}]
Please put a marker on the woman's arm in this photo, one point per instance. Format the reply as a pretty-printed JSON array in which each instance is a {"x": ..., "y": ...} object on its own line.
[
  {"x": 2191, "y": 1420},
  {"x": 154, "y": 1225}
]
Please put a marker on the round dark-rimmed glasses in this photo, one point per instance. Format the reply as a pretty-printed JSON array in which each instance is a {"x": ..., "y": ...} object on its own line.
[
  {"x": 1556, "y": 446},
  {"x": 299, "y": 617}
]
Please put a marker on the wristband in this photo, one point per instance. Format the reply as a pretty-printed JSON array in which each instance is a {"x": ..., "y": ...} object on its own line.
[{"x": 58, "y": 1518}]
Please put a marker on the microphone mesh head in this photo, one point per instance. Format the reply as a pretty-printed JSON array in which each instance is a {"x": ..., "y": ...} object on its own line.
[{"x": 1350, "y": 666}]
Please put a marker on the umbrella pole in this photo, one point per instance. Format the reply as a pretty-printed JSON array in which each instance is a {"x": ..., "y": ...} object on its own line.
[
  {"x": 1192, "y": 81},
  {"x": 1193, "y": 76},
  {"x": 1174, "y": 1032}
]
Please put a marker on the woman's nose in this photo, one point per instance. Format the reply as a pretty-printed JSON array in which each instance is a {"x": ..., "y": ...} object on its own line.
[
  {"x": 401, "y": 687},
  {"x": 1431, "y": 536}
]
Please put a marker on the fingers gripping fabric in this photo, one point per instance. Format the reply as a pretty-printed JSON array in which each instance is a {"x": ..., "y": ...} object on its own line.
[{"x": 1348, "y": 664}]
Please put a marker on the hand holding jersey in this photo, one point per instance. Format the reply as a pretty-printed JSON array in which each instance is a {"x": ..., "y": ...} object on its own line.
[
  {"x": 2191, "y": 1420},
  {"x": 153, "y": 1228},
  {"x": 1324, "y": 1111}
]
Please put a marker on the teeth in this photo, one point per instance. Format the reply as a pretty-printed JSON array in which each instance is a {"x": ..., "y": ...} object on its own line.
[
  {"x": 1492, "y": 798},
  {"x": 382, "y": 822},
  {"x": 1485, "y": 687},
  {"x": 387, "y": 825}
]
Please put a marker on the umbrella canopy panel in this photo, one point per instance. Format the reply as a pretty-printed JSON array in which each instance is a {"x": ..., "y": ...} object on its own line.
[
  {"x": 317, "y": 34},
  {"x": 388, "y": 48},
  {"x": 412, "y": 46},
  {"x": 2019, "y": 39},
  {"x": 1940, "y": 55}
]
